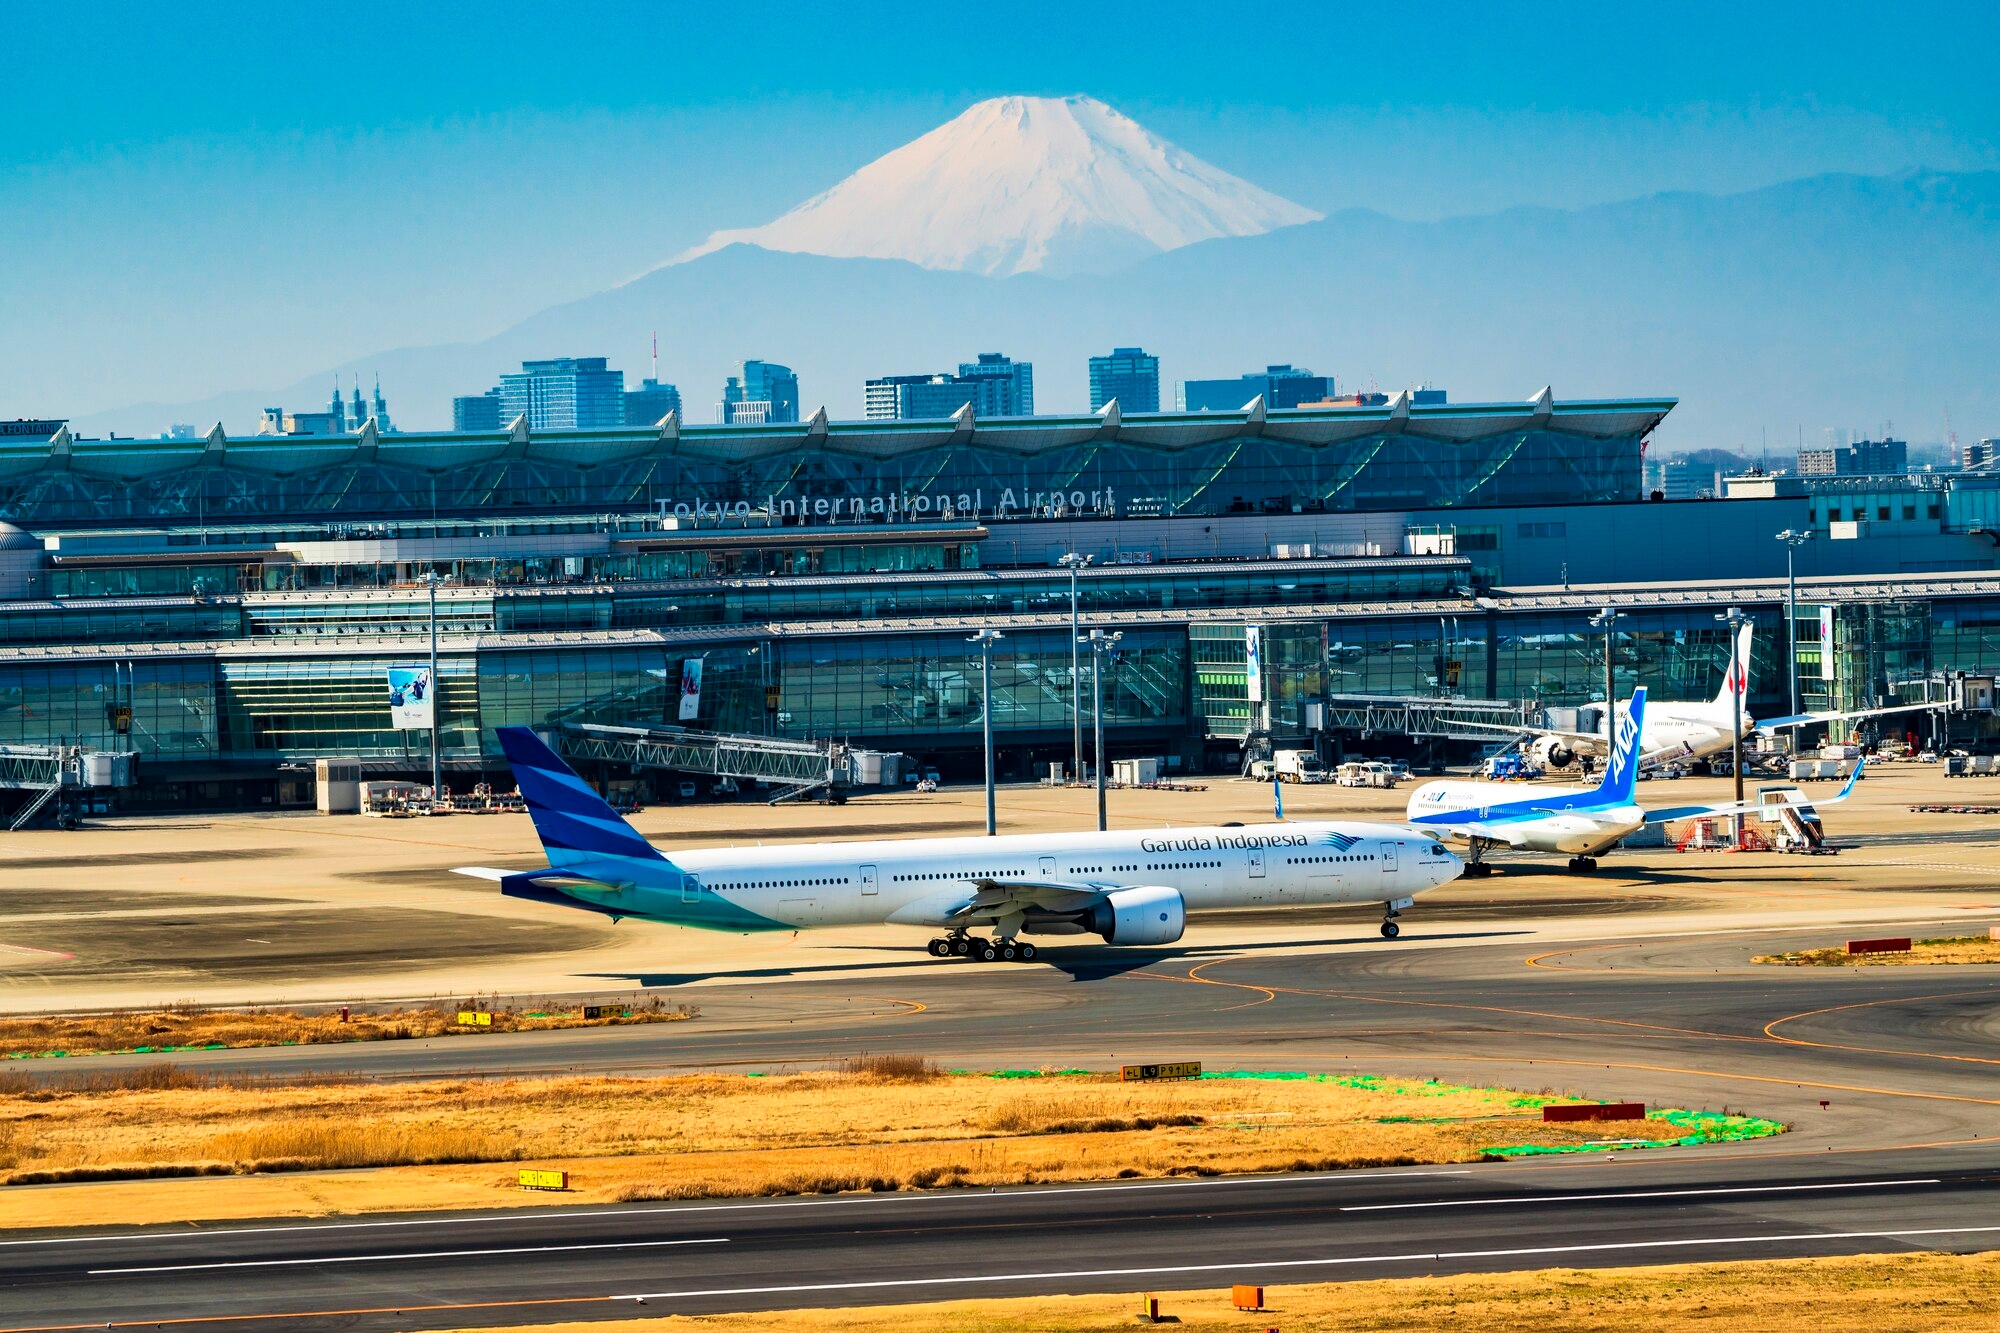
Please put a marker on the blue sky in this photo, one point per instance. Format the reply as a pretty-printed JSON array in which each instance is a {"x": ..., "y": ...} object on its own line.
[{"x": 210, "y": 196}]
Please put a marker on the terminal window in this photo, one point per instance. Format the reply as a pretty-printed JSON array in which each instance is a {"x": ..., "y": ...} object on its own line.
[{"x": 1542, "y": 529}]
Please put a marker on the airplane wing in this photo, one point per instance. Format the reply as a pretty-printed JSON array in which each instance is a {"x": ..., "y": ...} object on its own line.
[
  {"x": 1580, "y": 737},
  {"x": 1056, "y": 895},
  {"x": 1808, "y": 719},
  {"x": 1499, "y": 834},
  {"x": 994, "y": 898},
  {"x": 1728, "y": 808}
]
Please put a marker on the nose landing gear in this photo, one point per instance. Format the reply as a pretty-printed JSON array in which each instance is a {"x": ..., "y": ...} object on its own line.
[{"x": 1390, "y": 911}]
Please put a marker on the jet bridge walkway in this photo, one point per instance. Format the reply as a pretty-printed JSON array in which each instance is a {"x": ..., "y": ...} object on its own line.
[
  {"x": 1426, "y": 716},
  {"x": 798, "y": 766}
]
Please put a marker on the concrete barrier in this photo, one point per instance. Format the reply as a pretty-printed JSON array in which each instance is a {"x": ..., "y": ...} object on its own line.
[{"x": 1594, "y": 1111}]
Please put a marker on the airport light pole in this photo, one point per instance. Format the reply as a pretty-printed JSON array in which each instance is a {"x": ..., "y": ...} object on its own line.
[
  {"x": 986, "y": 638},
  {"x": 1074, "y": 562},
  {"x": 1793, "y": 538},
  {"x": 1735, "y": 619},
  {"x": 1100, "y": 644},
  {"x": 1605, "y": 622},
  {"x": 437, "y": 704}
]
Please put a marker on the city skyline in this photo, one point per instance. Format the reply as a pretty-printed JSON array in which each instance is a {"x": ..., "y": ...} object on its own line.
[{"x": 193, "y": 301}]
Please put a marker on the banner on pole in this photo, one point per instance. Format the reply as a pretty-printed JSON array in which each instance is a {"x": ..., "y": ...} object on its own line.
[
  {"x": 690, "y": 689},
  {"x": 412, "y": 702},
  {"x": 1253, "y": 654},
  {"x": 1826, "y": 643}
]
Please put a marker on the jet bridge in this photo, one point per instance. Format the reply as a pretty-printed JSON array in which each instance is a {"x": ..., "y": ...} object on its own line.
[
  {"x": 1428, "y": 716},
  {"x": 59, "y": 773},
  {"x": 798, "y": 766}
]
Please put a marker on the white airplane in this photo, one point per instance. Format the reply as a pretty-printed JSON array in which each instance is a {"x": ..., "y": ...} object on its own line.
[
  {"x": 1127, "y": 887},
  {"x": 1581, "y": 822},
  {"x": 1684, "y": 731}
]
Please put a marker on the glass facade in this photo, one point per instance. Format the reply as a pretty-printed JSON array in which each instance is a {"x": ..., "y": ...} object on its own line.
[{"x": 258, "y": 708}]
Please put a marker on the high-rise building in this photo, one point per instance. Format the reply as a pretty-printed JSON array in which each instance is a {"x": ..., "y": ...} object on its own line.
[
  {"x": 1130, "y": 376},
  {"x": 1281, "y": 387},
  {"x": 919, "y": 397},
  {"x": 477, "y": 412},
  {"x": 648, "y": 404},
  {"x": 1863, "y": 458},
  {"x": 564, "y": 393},
  {"x": 758, "y": 392},
  {"x": 1981, "y": 455},
  {"x": 342, "y": 416},
  {"x": 1006, "y": 387}
]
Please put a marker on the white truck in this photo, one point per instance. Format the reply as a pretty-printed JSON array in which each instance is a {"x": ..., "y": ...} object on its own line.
[{"x": 1297, "y": 766}]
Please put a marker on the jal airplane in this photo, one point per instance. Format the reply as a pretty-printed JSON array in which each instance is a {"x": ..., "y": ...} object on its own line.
[
  {"x": 1125, "y": 887},
  {"x": 1691, "y": 730}
]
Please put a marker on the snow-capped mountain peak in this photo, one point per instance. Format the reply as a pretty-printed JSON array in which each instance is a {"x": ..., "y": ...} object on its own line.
[{"x": 1024, "y": 184}]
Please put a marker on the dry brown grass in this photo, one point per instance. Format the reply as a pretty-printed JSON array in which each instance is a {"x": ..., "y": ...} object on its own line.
[
  {"x": 1899, "y": 1293},
  {"x": 1953, "y": 949},
  {"x": 179, "y": 1025},
  {"x": 882, "y": 1125}
]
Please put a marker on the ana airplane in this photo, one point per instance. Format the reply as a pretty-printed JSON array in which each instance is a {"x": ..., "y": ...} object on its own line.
[
  {"x": 1126, "y": 887},
  {"x": 1581, "y": 822},
  {"x": 1687, "y": 731}
]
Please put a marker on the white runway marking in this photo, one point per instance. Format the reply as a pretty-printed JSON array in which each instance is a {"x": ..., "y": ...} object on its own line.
[
  {"x": 873, "y": 1200},
  {"x": 960, "y": 1279},
  {"x": 399, "y": 1258},
  {"x": 1639, "y": 1194}
]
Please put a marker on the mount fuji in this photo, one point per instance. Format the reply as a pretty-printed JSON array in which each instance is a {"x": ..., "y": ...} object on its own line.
[
  {"x": 1055, "y": 229},
  {"x": 1024, "y": 185}
]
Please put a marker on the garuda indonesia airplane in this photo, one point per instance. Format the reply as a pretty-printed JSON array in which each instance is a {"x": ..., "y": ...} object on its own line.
[{"x": 1127, "y": 887}]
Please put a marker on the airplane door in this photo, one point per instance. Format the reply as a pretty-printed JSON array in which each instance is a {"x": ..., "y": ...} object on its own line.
[
  {"x": 1389, "y": 857},
  {"x": 1256, "y": 863},
  {"x": 870, "y": 881},
  {"x": 1048, "y": 864},
  {"x": 690, "y": 889}
]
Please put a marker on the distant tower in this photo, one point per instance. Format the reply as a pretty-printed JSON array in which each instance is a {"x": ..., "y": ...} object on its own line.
[
  {"x": 336, "y": 411},
  {"x": 360, "y": 413},
  {"x": 381, "y": 408}
]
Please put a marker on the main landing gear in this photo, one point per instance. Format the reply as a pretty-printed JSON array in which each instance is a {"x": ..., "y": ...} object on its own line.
[
  {"x": 1475, "y": 859},
  {"x": 1582, "y": 865},
  {"x": 960, "y": 945}
]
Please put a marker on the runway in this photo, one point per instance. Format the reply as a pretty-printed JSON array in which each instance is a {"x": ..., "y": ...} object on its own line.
[
  {"x": 662, "y": 1259},
  {"x": 1904, "y": 1153}
]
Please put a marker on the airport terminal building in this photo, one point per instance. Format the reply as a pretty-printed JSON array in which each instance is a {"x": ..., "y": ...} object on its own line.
[{"x": 229, "y": 608}]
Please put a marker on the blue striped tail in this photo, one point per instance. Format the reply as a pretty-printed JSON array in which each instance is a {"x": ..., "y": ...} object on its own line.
[{"x": 573, "y": 822}]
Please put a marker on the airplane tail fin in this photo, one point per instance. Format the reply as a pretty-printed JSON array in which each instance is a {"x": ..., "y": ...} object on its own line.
[
  {"x": 574, "y": 823},
  {"x": 1622, "y": 772},
  {"x": 1737, "y": 678}
]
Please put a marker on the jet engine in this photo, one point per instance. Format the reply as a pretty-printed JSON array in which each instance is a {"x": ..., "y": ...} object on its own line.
[
  {"x": 1553, "y": 752},
  {"x": 1138, "y": 916}
]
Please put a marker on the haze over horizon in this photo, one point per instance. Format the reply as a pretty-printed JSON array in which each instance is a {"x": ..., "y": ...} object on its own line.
[{"x": 175, "y": 241}]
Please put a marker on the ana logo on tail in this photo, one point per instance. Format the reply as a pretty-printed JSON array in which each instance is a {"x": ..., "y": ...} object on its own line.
[{"x": 1623, "y": 770}]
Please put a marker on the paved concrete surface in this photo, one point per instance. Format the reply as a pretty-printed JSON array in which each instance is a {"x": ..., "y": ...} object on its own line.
[{"x": 1635, "y": 983}]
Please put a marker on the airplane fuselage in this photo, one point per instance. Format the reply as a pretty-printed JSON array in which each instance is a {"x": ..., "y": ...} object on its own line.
[
  {"x": 1537, "y": 818},
  {"x": 929, "y": 882}
]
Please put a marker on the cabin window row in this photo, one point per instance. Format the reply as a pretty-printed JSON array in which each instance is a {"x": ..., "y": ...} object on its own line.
[{"x": 1317, "y": 860}]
